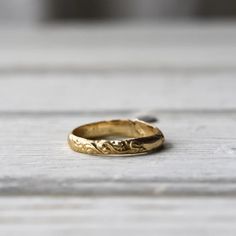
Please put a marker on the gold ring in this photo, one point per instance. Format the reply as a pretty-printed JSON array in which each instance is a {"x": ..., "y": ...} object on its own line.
[{"x": 137, "y": 137}]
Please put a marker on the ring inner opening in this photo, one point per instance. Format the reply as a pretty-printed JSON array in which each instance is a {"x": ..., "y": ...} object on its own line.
[{"x": 116, "y": 129}]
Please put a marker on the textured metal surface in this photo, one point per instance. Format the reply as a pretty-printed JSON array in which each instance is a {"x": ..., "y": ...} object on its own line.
[{"x": 144, "y": 138}]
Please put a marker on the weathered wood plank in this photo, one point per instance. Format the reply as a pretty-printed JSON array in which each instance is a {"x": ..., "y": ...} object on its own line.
[
  {"x": 117, "y": 91},
  {"x": 199, "y": 158},
  {"x": 173, "y": 192},
  {"x": 209, "y": 46},
  {"x": 117, "y": 216}
]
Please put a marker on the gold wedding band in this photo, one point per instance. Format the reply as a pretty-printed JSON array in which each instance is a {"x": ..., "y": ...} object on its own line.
[{"x": 138, "y": 137}]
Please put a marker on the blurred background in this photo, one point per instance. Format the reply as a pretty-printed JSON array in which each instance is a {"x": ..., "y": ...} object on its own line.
[{"x": 29, "y": 12}]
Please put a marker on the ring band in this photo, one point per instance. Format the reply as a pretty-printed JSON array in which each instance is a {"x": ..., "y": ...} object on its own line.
[{"x": 140, "y": 138}]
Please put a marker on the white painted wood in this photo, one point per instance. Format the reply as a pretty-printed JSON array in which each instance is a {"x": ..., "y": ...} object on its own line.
[
  {"x": 199, "y": 157},
  {"x": 117, "y": 91},
  {"x": 124, "y": 46},
  {"x": 117, "y": 216},
  {"x": 53, "y": 79}
]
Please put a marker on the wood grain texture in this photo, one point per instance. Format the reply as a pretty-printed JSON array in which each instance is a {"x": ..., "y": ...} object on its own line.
[
  {"x": 55, "y": 78},
  {"x": 199, "y": 158},
  {"x": 124, "y": 46},
  {"x": 117, "y": 216},
  {"x": 117, "y": 92}
]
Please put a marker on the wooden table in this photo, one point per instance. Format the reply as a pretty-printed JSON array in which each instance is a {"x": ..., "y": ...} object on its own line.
[{"x": 53, "y": 78}]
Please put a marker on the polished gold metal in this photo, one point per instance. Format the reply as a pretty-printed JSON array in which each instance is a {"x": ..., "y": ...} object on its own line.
[{"x": 138, "y": 137}]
